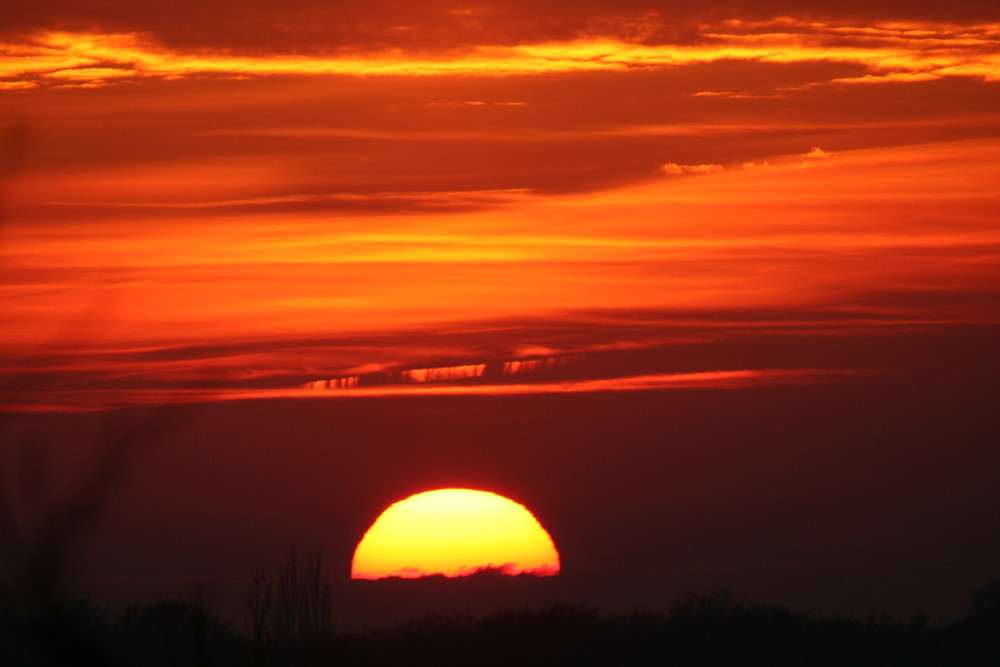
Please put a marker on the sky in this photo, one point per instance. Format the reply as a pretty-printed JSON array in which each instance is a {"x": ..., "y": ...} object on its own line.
[{"x": 730, "y": 271}]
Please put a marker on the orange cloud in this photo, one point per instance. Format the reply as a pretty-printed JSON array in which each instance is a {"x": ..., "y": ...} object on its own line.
[
  {"x": 776, "y": 237},
  {"x": 443, "y": 373},
  {"x": 674, "y": 169},
  {"x": 889, "y": 52}
]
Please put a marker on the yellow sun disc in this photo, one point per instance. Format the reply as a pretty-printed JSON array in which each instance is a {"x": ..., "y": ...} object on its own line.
[{"x": 454, "y": 532}]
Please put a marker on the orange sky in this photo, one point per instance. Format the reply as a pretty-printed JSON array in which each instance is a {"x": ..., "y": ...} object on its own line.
[
  {"x": 210, "y": 206},
  {"x": 713, "y": 287}
]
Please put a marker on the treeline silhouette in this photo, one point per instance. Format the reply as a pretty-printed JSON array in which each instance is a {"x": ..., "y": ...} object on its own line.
[{"x": 709, "y": 629}]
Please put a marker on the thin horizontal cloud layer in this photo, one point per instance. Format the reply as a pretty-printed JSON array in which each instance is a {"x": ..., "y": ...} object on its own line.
[
  {"x": 895, "y": 51},
  {"x": 807, "y": 236},
  {"x": 91, "y": 400}
]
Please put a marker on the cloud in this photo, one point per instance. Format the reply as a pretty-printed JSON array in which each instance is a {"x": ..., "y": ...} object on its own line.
[
  {"x": 429, "y": 199},
  {"x": 313, "y": 25},
  {"x": 917, "y": 51},
  {"x": 895, "y": 77},
  {"x": 623, "y": 267},
  {"x": 674, "y": 169},
  {"x": 731, "y": 95},
  {"x": 733, "y": 379},
  {"x": 91, "y": 74},
  {"x": 92, "y": 400},
  {"x": 442, "y": 373},
  {"x": 476, "y": 103}
]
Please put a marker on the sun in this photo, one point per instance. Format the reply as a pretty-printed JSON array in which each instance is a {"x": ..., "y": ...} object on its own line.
[{"x": 454, "y": 532}]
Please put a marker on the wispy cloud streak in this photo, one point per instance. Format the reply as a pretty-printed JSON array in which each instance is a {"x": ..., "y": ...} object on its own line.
[
  {"x": 892, "y": 51},
  {"x": 91, "y": 400}
]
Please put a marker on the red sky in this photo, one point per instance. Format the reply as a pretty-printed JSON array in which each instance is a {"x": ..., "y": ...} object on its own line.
[{"x": 254, "y": 201}]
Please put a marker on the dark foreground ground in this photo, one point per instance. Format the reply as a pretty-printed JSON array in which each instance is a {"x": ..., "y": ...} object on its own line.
[{"x": 713, "y": 629}]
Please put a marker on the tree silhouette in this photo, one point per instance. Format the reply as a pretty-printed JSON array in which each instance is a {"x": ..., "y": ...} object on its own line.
[
  {"x": 303, "y": 600},
  {"x": 260, "y": 616}
]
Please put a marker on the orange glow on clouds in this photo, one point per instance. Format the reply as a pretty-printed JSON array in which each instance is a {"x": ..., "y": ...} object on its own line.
[
  {"x": 809, "y": 232},
  {"x": 87, "y": 400},
  {"x": 220, "y": 222},
  {"x": 920, "y": 51},
  {"x": 805, "y": 231},
  {"x": 454, "y": 532}
]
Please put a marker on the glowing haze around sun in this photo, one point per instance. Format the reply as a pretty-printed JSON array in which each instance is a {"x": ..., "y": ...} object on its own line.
[{"x": 454, "y": 532}]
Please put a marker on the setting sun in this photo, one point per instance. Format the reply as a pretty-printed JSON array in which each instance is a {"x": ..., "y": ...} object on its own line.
[{"x": 454, "y": 532}]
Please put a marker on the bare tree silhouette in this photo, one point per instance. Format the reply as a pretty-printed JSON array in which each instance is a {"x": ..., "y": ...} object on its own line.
[
  {"x": 260, "y": 618},
  {"x": 303, "y": 601},
  {"x": 288, "y": 618}
]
